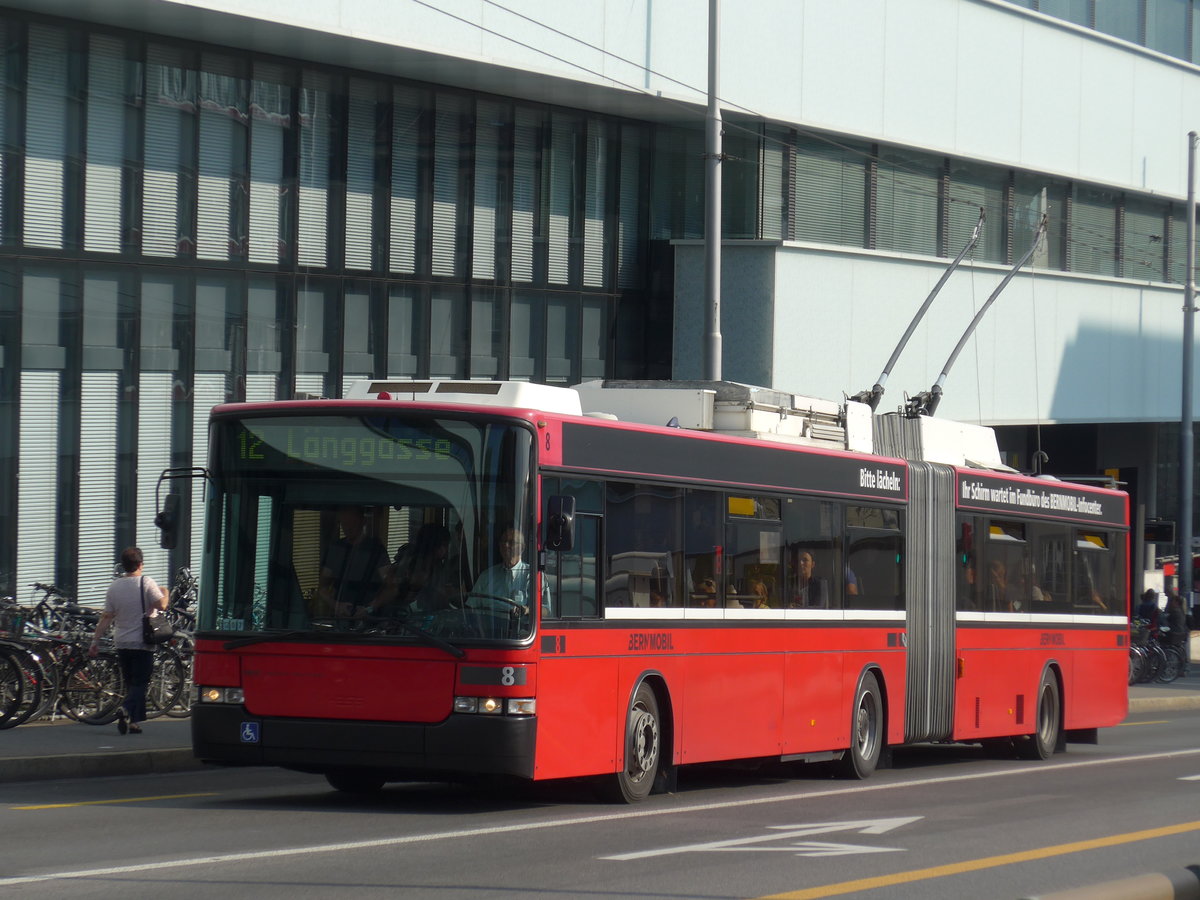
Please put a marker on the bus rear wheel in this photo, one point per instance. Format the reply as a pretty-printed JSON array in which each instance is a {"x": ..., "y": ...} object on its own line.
[
  {"x": 1041, "y": 744},
  {"x": 643, "y": 749},
  {"x": 866, "y": 730}
]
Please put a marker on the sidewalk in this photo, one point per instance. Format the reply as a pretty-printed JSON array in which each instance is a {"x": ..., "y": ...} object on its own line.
[{"x": 67, "y": 749}]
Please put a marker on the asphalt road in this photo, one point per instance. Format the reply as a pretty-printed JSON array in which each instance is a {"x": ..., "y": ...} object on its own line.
[{"x": 944, "y": 822}]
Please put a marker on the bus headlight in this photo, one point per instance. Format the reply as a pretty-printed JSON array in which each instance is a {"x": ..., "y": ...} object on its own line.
[
  {"x": 496, "y": 706},
  {"x": 521, "y": 706},
  {"x": 221, "y": 695}
]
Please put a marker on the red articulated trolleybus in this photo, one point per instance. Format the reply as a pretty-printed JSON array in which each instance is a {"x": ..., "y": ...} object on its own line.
[{"x": 443, "y": 579}]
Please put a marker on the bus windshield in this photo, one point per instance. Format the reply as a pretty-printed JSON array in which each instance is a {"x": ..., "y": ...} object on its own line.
[{"x": 391, "y": 526}]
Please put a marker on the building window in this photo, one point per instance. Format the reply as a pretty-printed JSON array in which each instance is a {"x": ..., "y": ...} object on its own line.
[
  {"x": 906, "y": 203},
  {"x": 1093, "y": 229},
  {"x": 829, "y": 192}
]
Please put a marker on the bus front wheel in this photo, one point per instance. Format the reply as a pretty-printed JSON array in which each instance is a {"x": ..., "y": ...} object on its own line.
[
  {"x": 643, "y": 749},
  {"x": 866, "y": 730},
  {"x": 354, "y": 782},
  {"x": 1041, "y": 744}
]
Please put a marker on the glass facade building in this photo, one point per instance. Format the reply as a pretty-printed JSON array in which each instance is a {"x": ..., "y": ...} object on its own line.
[{"x": 183, "y": 225}]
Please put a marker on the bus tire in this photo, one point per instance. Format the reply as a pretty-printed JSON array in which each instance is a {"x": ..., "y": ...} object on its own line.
[
  {"x": 866, "y": 730},
  {"x": 643, "y": 749},
  {"x": 1041, "y": 744},
  {"x": 352, "y": 781}
]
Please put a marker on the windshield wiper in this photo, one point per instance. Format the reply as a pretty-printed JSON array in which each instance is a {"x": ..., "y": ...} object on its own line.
[{"x": 428, "y": 637}]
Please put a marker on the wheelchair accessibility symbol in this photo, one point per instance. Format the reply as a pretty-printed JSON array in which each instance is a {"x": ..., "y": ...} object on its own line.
[{"x": 250, "y": 732}]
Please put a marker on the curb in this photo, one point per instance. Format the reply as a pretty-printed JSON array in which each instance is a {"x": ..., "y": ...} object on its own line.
[
  {"x": 1158, "y": 704},
  {"x": 125, "y": 762},
  {"x": 1180, "y": 885}
]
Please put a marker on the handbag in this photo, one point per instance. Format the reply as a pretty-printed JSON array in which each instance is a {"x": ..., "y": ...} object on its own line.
[{"x": 156, "y": 629}]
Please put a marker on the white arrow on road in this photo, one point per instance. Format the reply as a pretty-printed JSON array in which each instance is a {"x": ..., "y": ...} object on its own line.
[{"x": 787, "y": 832}]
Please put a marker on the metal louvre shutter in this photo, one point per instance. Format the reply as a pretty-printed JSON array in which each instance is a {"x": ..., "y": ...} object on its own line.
[
  {"x": 217, "y": 134},
  {"x": 406, "y": 153},
  {"x": 929, "y": 588},
  {"x": 105, "y": 150},
  {"x": 360, "y": 174},
  {"x": 829, "y": 194},
  {"x": 45, "y": 137},
  {"x": 310, "y": 383},
  {"x": 37, "y": 477},
  {"x": 97, "y": 485},
  {"x": 1142, "y": 244},
  {"x": 270, "y": 120},
  {"x": 210, "y": 391},
  {"x": 446, "y": 141},
  {"x": 260, "y": 387},
  {"x": 168, "y": 99},
  {"x": 906, "y": 204},
  {"x": 595, "y": 190},
  {"x": 562, "y": 183},
  {"x": 524, "y": 214},
  {"x": 1093, "y": 242},
  {"x": 772, "y": 159},
  {"x": 488, "y": 122},
  {"x": 314, "y": 169},
  {"x": 153, "y": 455},
  {"x": 629, "y": 216}
]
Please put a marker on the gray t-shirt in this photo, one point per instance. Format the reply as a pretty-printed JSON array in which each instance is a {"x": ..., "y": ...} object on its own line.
[{"x": 124, "y": 600}]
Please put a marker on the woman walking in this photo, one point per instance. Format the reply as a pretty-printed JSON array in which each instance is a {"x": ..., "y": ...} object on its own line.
[{"x": 129, "y": 598}]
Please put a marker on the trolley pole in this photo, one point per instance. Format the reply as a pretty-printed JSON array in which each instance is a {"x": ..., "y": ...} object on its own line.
[
  {"x": 1186, "y": 449},
  {"x": 712, "y": 201}
]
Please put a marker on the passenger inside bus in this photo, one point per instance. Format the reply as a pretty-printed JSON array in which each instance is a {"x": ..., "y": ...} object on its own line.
[
  {"x": 811, "y": 591},
  {"x": 420, "y": 578},
  {"x": 353, "y": 567}
]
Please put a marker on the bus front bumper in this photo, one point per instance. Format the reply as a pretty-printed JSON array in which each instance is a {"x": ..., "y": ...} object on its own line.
[{"x": 461, "y": 744}]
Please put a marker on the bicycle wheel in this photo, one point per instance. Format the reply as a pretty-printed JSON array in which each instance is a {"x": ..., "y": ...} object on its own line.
[
  {"x": 1172, "y": 667},
  {"x": 185, "y": 647},
  {"x": 12, "y": 686},
  {"x": 92, "y": 690},
  {"x": 33, "y": 686},
  {"x": 166, "y": 682},
  {"x": 1137, "y": 664},
  {"x": 1155, "y": 657}
]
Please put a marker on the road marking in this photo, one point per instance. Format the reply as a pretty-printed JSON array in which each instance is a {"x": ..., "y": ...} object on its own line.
[
  {"x": 1190, "y": 778},
  {"x": 516, "y": 827},
  {"x": 1155, "y": 722},
  {"x": 987, "y": 862},
  {"x": 108, "y": 802},
  {"x": 783, "y": 833}
]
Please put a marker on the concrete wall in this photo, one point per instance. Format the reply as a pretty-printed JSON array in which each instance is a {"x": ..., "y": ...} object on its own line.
[
  {"x": 980, "y": 79},
  {"x": 1053, "y": 347}
]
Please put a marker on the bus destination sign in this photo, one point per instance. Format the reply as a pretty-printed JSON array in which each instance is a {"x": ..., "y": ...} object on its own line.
[{"x": 1052, "y": 500}]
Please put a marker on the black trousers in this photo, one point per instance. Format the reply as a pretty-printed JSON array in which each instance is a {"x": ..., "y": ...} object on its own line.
[{"x": 136, "y": 666}]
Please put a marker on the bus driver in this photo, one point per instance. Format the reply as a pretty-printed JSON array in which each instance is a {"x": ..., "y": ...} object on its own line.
[{"x": 511, "y": 576}]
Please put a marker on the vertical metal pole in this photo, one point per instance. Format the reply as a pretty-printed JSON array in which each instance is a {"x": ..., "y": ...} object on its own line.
[
  {"x": 712, "y": 202},
  {"x": 1185, "y": 423}
]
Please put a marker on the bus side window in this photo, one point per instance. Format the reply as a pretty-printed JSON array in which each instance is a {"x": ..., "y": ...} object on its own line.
[{"x": 873, "y": 574}]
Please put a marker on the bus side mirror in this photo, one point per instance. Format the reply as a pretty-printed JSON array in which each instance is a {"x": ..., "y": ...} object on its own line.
[
  {"x": 560, "y": 523},
  {"x": 167, "y": 521}
]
